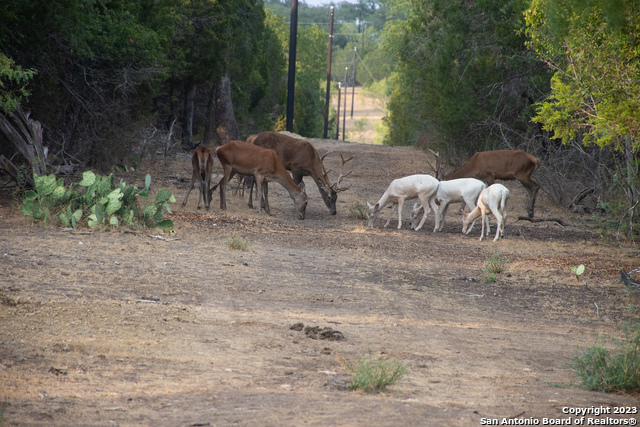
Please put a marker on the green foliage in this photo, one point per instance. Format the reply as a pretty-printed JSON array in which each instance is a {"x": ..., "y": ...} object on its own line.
[
  {"x": 464, "y": 73},
  {"x": 577, "y": 271},
  {"x": 592, "y": 47},
  {"x": 13, "y": 84},
  {"x": 490, "y": 278},
  {"x": 602, "y": 370},
  {"x": 374, "y": 376},
  {"x": 358, "y": 211},
  {"x": 360, "y": 124},
  {"x": 98, "y": 200},
  {"x": 496, "y": 263},
  {"x": 311, "y": 69}
]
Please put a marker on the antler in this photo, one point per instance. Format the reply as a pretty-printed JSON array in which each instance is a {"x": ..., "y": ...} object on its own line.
[
  {"x": 336, "y": 186},
  {"x": 325, "y": 155},
  {"x": 438, "y": 169}
]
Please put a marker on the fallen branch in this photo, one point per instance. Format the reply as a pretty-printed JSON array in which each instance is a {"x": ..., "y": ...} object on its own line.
[
  {"x": 556, "y": 220},
  {"x": 584, "y": 193},
  {"x": 166, "y": 239}
]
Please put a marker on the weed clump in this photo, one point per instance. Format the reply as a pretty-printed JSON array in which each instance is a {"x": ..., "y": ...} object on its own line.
[
  {"x": 495, "y": 265},
  {"x": 374, "y": 376},
  {"x": 601, "y": 370}
]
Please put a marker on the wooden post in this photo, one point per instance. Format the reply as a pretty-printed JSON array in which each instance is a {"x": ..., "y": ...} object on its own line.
[
  {"x": 291, "y": 83},
  {"x": 328, "y": 91},
  {"x": 338, "y": 115}
]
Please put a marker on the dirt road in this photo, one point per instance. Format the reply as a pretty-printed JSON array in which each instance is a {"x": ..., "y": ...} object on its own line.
[
  {"x": 367, "y": 114},
  {"x": 121, "y": 328}
]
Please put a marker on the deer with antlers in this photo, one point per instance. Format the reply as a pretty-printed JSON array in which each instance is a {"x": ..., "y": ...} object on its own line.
[
  {"x": 302, "y": 159},
  {"x": 265, "y": 165},
  {"x": 202, "y": 162}
]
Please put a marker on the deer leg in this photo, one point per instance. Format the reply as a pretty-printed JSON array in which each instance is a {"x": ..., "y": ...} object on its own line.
[
  {"x": 442, "y": 212},
  {"x": 504, "y": 217},
  {"x": 400, "y": 206},
  {"x": 532, "y": 200},
  {"x": 228, "y": 174},
  {"x": 532, "y": 188},
  {"x": 393, "y": 211},
  {"x": 265, "y": 197},
  {"x": 259, "y": 190},
  {"x": 498, "y": 215},
  {"x": 205, "y": 191},
  {"x": 201, "y": 188},
  {"x": 193, "y": 180},
  {"x": 252, "y": 180},
  {"x": 426, "y": 210},
  {"x": 483, "y": 218}
]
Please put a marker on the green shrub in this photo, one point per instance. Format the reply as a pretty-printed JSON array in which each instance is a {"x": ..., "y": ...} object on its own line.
[
  {"x": 358, "y": 211},
  {"x": 600, "y": 370},
  {"x": 496, "y": 263},
  {"x": 491, "y": 277},
  {"x": 98, "y": 200},
  {"x": 373, "y": 376}
]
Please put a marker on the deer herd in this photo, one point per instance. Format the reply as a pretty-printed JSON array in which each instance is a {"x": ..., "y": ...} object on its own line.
[{"x": 268, "y": 156}]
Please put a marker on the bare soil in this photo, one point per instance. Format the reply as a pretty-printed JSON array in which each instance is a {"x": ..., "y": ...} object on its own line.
[{"x": 121, "y": 328}]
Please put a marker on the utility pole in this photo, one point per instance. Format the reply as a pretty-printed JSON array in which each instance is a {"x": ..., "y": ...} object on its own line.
[
  {"x": 291, "y": 82},
  {"x": 353, "y": 81},
  {"x": 338, "y": 115},
  {"x": 344, "y": 114},
  {"x": 327, "y": 101}
]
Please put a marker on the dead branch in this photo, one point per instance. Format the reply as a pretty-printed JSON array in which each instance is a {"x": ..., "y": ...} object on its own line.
[
  {"x": 584, "y": 193},
  {"x": 25, "y": 135},
  {"x": 556, "y": 220}
]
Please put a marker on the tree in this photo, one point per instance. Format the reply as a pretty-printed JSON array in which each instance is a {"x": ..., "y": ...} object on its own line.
[
  {"x": 468, "y": 80},
  {"x": 594, "y": 49}
]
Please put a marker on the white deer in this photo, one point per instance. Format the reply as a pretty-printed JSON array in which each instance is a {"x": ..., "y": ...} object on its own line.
[
  {"x": 422, "y": 187},
  {"x": 494, "y": 199},
  {"x": 465, "y": 190}
]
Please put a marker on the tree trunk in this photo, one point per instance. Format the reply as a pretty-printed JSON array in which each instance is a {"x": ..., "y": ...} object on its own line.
[
  {"x": 227, "y": 127},
  {"x": 189, "y": 101},
  {"x": 25, "y": 135},
  {"x": 209, "y": 121}
]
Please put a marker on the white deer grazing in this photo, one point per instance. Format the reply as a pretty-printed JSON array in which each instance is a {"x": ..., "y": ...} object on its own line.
[
  {"x": 422, "y": 187},
  {"x": 494, "y": 199},
  {"x": 464, "y": 190}
]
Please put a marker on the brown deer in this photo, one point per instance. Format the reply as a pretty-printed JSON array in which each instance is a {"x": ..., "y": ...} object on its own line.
[
  {"x": 502, "y": 164},
  {"x": 265, "y": 165},
  {"x": 202, "y": 161},
  {"x": 302, "y": 159}
]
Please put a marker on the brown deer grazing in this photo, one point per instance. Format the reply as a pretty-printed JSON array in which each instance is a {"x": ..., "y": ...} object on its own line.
[
  {"x": 502, "y": 164},
  {"x": 202, "y": 161},
  {"x": 265, "y": 165},
  {"x": 302, "y": 159}
]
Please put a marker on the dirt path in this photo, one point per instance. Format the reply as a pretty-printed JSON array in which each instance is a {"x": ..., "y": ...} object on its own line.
[
  {"x": 367, "y": 114},
  {"x": 119, "y": 328}
]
